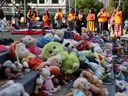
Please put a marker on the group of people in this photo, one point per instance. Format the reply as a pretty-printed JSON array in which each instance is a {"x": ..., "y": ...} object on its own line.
[{"x": 77, "y": 20}]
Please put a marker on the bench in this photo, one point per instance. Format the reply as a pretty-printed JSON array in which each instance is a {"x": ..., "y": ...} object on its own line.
[{"x": 29, "y": 78}]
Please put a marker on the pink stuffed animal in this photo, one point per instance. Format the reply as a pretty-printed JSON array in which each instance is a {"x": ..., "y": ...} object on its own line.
[{"x": 30, "y": 43}]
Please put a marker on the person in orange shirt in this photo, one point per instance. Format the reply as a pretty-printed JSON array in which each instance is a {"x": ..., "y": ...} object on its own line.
[
  {"x": 71, "y": 19},
  {"x": 103, "y": 17},
  {"x": 91, "y": 21},
  {"x": 46, "y": 19},
  {"x": 59, "y": 16},
  {"x": 118, "y": 23},
  {"x": 31, "y": 15}
]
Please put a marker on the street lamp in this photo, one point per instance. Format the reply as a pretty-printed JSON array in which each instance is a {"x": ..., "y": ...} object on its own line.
[
  {"x": 119, "y": 3},
  {"x": 69, "y": 4},
  {"x": 75, "y": 6},
  {"x": 25, "y": 10}
]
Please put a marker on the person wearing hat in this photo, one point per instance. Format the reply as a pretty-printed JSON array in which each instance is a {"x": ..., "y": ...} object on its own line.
[
  {"x": 59, "y": 17},
  {"x": 71, "y": 19},
  {"x": 31, "y": 15},
  {"x": 80, "y": 22}
]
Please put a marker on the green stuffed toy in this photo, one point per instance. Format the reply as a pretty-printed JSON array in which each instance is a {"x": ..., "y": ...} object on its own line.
[
  {"x": 51, "y": 49},
  {"x": 70, "y": 62}
]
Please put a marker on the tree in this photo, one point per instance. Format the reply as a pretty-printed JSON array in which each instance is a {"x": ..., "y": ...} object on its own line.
[{"x": 86, "y": 5}]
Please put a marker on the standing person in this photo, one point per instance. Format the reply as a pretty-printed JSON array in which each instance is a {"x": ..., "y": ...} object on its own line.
[
  {"x": 91, "y": 21},
  {"x": 19, "y": 17},
  {"x": 1, "y": 13},
  {"x": 80, "y": 22},
  {"x": 103, "y": 17},
  {"x": 126, "y": 26},
  {"x": 31, "y": 15},
  {"x": 112, "y": 20},
  {"x": 59, "y": 17},
  {"x": 46, "y": 19},
  {"x": 71, "y": 19},
  {"x": 118, "y": 23}
]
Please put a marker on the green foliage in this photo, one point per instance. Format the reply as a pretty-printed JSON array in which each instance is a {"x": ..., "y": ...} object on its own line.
[{"x": 86, "y": 5}]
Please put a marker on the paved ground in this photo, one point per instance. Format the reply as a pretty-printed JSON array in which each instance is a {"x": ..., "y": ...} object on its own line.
[{"x": 15, "y": 37}]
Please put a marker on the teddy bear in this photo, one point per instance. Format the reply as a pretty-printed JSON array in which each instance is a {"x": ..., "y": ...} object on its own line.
[
  {"x": 93, "y": 79},
  {"x": 30, "y": 43},
  {"x": 21, "y": 53},
  {"x": 9, "y": 70},
  {"x": 54, "y": 61}
]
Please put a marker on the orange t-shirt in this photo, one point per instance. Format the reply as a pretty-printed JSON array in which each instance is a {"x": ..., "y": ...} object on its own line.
[
  {"x": 32, "y": 15},
  {"x": 59, "y": 15},
  {"x": 70, "y": 17},
  {"x": 91, "y": 17},
  {"x": 45, "y": 18},
  {"x": 103, "y": 17},
  {"x": 118, "y": 17}
]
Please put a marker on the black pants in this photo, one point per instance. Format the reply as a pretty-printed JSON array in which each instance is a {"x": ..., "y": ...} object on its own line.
[
  {"x": 103, "y": 26},
  {"x": 79, "y": 25}
]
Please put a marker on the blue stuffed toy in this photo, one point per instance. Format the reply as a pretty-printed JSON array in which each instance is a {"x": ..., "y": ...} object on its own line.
[{"x": 43, "y": 41}]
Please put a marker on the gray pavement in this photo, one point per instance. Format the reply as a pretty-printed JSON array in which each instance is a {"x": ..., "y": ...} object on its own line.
[{"x": 14, "y": 37}]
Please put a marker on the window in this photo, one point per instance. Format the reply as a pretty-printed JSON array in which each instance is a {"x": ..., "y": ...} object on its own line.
[
  {"x": 41, "y": 1},
  {"x": 8, "y": 1},
  {"x": 55, "y": 1},
  {"x": 34, "y": 1}
]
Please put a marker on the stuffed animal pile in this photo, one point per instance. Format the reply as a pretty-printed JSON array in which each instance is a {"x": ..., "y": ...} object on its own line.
[{"x": 62, "y": 56}]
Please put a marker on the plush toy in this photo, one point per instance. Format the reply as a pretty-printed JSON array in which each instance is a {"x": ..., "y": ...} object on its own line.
[
  {"x": 68, "y": 44},
  {"x": 9, "y": 70},
  {"x": 81, "y": 88},
  {"x": 83, "y": 46},
  {"x": 21, "y": 53},
  {"x": 70, "y": 62},
  {"x": 45, "y": 73},
  {"x": 121, "y": 94},
  {"x": 13, "y": 89},
  {"x": 88, "y": 74},
  {"x": 54, "y": 70},
  {"x": 60, "y": 33},
  {"x": 121, "y": 86},
  {"x": 41, "y": 41},
  {"x": 30, "y": 43},
  {"x": 51, "y": 49},
  {"x": 54, "y": 61},
  {"x": 40, "y": 88}
]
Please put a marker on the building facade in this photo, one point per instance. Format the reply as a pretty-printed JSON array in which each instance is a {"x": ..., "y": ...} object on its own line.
[{"x": 9, "y": 6}]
